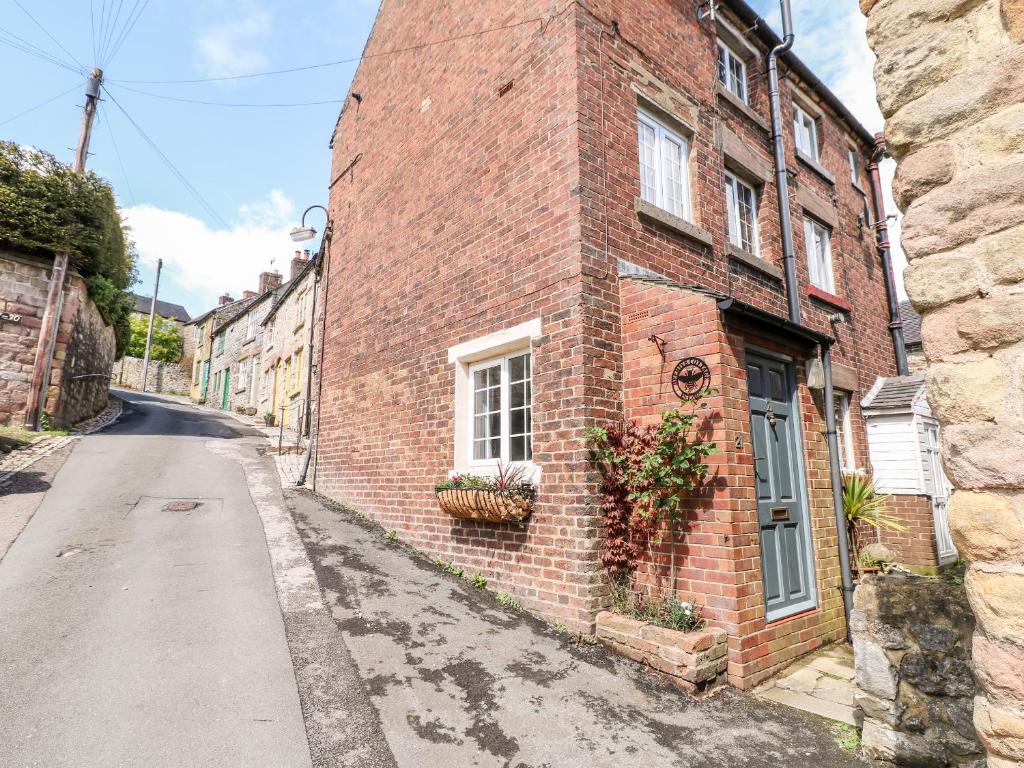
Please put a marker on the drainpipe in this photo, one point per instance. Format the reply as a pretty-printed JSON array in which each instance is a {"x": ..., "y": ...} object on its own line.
[
  {"x": 837, "y": 485},
  {"x": 882, "y": 234},
  {"x": 781, "y": 173}
]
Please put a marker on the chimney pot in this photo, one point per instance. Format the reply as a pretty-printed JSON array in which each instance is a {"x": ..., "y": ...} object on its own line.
[
  {"x": 269, "y": 281},
  {"x": 297, "y": 264},
  {"x": 249, "y": 294},
  {"x": 224, "y": 299}
]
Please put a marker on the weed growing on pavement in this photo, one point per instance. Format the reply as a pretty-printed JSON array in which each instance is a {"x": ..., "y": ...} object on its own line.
[
  {"x": 478, "y": 581},
  {"x": 440, "y": 563},
  {"x": 391, "y": 535},
  {"x": 560, "y": 627},
  {"x": 846, "y": 736},
  {"x": 453, "y": 569},
  {"x": 505, "y": 599}
]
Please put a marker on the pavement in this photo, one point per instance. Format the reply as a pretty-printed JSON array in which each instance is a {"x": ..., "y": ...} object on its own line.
[
  {"x": 821, "y": 684},
  {"x": 268, "y": 627}
]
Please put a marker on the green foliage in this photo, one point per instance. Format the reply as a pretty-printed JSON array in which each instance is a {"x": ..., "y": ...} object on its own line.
[
  {"x": 846, "y": 736},
  {"x": 510, "y": 480},
  {"x": 505, "y": 599},
  {"x": 647, "y": 474},
  {"x": 478, "y": 581},
  {"x": 863, "y": 505},
  {"x": 453, "y": 569},
  {"x": 391, "y": 535},
  {"x": 167, "y": 344},
  {"x": 560, "y": 627},
  {"x": 672, "y": 613},
  {"x": 47, "y": 209}
]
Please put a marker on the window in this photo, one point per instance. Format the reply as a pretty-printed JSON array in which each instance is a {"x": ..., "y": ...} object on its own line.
[
  {"x": 243, "y": 374},
  {"x": 852, "y": 154},
  {"x": 819, "y": 255},
  {"x": 741, "y": 201},
  {"x": 502, "y": 406},
  {"x": 806, "y": 131},
  {"x": 220, "y": 342},
  {"x": 732, "y": 72},
  {"x": 297, "y": 371},
  {"x": 844, "y": 432},
  {"x": 202, "y": 333},
  {"x": 250, "y": 326},
  {"x": 663, "y": 166},
  {"x": 301, "y": 314},
  {"x": 195, "y": 377}
]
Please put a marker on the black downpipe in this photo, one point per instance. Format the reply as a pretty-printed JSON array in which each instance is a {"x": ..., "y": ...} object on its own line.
[
  {"x": 781, "y": 172},
  {"x": 885, "y": 254},
  {"x": 837, "y": 485}
]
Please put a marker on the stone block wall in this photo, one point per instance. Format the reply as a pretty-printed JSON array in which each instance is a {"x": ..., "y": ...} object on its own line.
[
  {"x": 950, "y": 77},
  {"x": 912, "y": 655},
  {"x": 82, "y": 361},
  {"x": 170, "y": 378},
  {"x": 692, "y": 660}
]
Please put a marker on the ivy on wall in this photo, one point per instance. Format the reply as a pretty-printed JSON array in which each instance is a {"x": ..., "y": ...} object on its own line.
[{"x": 46, "y": 209}]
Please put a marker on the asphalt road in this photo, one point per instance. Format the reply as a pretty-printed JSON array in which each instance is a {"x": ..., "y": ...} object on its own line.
[{"x": 132, "y": 634}]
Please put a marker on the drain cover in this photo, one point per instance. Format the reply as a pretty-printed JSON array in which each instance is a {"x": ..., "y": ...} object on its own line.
[{"x": 181, "y": 506}]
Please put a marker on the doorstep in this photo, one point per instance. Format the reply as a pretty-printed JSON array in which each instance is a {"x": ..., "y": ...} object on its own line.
[{"x": 821, "y": 684}]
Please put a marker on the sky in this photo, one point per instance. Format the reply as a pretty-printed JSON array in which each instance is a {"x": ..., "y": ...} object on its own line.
[{"x": 213, "y": 190}]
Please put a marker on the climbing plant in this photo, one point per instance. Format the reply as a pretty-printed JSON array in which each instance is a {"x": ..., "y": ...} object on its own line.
[{"x": 647, "y": 472}]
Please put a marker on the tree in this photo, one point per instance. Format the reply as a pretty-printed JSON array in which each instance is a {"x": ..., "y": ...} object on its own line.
[
  {"x": 166, "y": 345},
  {"x": 46, "y": 208}
]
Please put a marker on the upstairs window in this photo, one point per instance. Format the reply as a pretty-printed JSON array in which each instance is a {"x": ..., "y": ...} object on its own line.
[
  {"x": 741, "y": 201},
  {"x": 844, "y": 432},
  {"x": 732, "y": 72},
  {"x": 250, "y": 326},
  {"x": 819, "y": 255},
  {"x": 664, "y": 180},
  {"x": 220, "y": 343},
  {"x": 502, "y": 410},
  {"x": 854, "y": 175},
  {"x": 805, "y": 130}
]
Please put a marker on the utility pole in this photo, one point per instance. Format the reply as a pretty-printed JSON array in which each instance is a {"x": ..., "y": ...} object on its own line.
[
  {"x": 50, "y": 325},
  {"x": 149, "y": 334}
]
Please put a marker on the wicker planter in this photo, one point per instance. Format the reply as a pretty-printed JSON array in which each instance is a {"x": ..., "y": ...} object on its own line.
[{"x": 477, "y": 504}]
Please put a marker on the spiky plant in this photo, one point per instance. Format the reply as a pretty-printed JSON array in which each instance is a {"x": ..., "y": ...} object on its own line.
[{"x": 863, "y": 504}]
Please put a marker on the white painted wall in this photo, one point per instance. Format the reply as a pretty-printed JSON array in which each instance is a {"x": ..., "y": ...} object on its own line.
[{"x": 895, "y": 453}]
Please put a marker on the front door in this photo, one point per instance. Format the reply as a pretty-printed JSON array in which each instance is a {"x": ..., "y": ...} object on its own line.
[
  {"x": 786, "y": 562},
  {"x": 227, "y": 389}
]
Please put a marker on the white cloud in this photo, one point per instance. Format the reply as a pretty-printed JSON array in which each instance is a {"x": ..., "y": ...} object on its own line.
[
  {"x": 204, "y": 262},
  {"x": 233, "y": 47}
]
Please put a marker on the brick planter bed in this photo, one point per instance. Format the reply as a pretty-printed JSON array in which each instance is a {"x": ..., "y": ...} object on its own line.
[{"x": 692, "y": 660}]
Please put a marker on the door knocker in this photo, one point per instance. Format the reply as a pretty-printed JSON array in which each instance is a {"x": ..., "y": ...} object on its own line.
[{"x": 770, "y": 416}]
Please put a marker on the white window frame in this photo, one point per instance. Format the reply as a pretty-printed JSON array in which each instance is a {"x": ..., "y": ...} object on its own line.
[
  {"x": 243, "y": 374},
  {"x": 727, "y": 58},
  {"x": 732, "y": 187},
  {"x": 847, "y": 457},
  {"x": 851, "y": 153},
  {"x": 805, "y": 132},
  {"x": 658, "y": 193},
  {"x": 250, "y": 326},
  {"x": 819, "y": 271},
  {"x": 504, "y": 407}
]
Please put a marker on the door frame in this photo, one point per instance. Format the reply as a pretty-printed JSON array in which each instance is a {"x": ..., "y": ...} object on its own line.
[{"x": 812, "y": 602}]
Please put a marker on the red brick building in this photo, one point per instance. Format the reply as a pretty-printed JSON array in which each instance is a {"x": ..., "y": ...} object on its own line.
[{"x": 535, "y": 221}]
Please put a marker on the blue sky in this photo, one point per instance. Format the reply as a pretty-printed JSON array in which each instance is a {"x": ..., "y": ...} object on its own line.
[{"x": 256, "y": 168}]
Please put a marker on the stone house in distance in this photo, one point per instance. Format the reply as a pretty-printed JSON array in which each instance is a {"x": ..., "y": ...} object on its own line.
[
  {"x": 287, "y": 334},
  {"x": 164, "y": 376},
  {"x": 542, "y": 227}
]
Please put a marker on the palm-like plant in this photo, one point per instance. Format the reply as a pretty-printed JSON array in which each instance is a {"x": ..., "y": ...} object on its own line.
[{"x": 863, "y": 504}]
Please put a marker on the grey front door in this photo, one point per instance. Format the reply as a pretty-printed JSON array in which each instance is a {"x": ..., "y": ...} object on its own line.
[{"x": 786, "y": 562}]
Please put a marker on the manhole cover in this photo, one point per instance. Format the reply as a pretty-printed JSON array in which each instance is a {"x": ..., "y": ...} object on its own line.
[{"x": 181, "y": 506}]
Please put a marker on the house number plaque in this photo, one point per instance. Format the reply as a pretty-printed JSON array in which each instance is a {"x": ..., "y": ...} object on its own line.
[
  {"x": 690, "y": 378},
  {"x": 9, "y": 317}
]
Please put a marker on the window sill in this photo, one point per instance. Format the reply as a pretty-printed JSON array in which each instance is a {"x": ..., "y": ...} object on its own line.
[
  {"x": 813, "y": 164},
  {"x": 829, "y": 298},
  {"x": 742, "y": 106},
  {"x": 250, "y": 340},
  {"x": 653, "y": 213},
  {"x": 754, "y": 262}
]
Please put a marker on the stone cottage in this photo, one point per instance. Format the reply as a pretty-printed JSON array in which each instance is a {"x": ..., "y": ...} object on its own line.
[
  {"x": 83, "y": 352},
  {"x": 288, "y": 343},
  {"x": 163, "y": 376},
  {"x": 577, "y": 220}
]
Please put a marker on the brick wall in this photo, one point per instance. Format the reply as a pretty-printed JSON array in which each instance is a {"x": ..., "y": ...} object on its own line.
[
  {"x": 487, "y": 184},
  {"x": 916, "y": 547}
]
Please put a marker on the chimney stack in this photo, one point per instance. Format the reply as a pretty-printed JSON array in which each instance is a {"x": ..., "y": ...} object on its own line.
[
  {"x": 249, "y": 294},
  {"x": 224, "y": 299},
  {"x": 297, "y": 264},
  {"x": 269, "y": 281}
]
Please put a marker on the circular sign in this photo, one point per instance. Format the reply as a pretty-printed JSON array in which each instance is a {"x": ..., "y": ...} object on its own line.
[{"x": 690, "y": 378}]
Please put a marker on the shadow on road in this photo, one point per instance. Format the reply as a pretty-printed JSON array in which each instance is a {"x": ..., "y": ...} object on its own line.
[
  {"x": 25, "y": 482},
  {"x": 147, "y": 414}
]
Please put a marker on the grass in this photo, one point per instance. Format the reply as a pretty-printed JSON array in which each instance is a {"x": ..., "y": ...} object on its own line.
[
  {"x": 14, "y": 438},
  {"x": 846, "y": 736}
]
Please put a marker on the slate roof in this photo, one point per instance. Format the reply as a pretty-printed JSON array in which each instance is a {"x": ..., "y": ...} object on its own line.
[
  {"x": 911, "y": 324},
  {"x": 896, "y": 393},
  {"x": 164, "y": 309}
]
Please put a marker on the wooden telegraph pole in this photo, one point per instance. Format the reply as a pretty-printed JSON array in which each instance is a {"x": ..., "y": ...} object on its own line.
[{"x": 55, "y": 297}]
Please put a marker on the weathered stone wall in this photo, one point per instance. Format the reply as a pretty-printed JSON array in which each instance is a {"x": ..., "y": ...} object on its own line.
[
  {"x": 951, "y": 85},
  {"x": 170, "y": 378},
  {"x": 23, "y": 287},
  {"x": 912, "y": 653}
]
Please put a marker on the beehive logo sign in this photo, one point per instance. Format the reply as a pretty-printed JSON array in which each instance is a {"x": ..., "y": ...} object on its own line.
[{"x": 690, "y": 378}]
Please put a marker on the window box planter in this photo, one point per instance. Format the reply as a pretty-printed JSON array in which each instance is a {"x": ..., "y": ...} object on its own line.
[{"x": 481, "y": 504}]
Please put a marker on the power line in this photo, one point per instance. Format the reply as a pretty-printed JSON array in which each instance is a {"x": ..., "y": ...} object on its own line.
[
  {"x": 127, "y": 29},
  {"x": 42, "y": 104},
  {"x": 392, "y": 52},
  {"x": 170, "y": 165},
  {"x": 47, "y": 33},
  {"x": 228, "y": 104},
  {"x": 49, "y": 59},
  {"x": 117, "y": 153},
  {"x": 105, "y": 43}
]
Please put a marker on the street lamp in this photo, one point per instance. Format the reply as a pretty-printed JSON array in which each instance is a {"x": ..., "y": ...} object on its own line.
[{"x": 302, "y": 232}]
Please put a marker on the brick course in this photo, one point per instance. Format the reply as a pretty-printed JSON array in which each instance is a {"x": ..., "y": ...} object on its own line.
[{"x": 493, "y": 180}]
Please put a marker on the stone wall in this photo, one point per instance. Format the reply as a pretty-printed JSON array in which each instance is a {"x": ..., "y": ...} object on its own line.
[
  {"x": 80, "y": 380},
  {"x": 912, "y": 654},
  {"x": 950, "y": 77},
  {"x": 23, "y": 287},
  {"x": 170, "y": 378}
]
